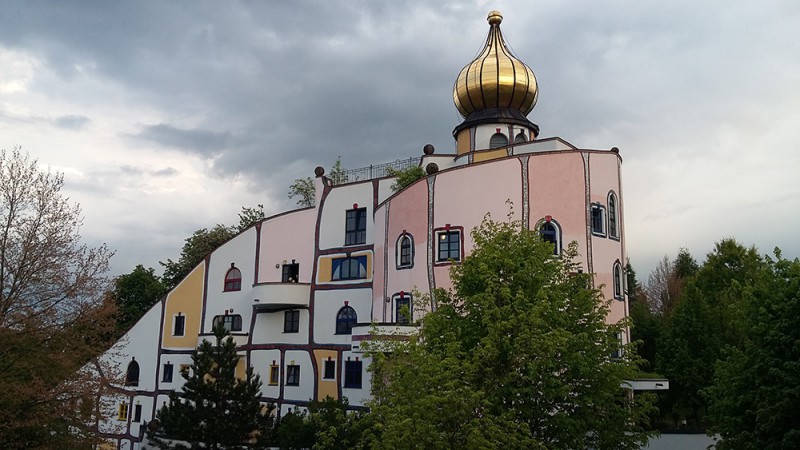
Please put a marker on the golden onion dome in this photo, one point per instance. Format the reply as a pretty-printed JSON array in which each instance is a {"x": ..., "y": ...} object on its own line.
[{"x": 496, "y": 78}]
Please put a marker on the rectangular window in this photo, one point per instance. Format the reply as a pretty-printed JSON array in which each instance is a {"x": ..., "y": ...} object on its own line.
[
  {"x": 122, "y": 413},
  {"x": 179, "y": 325},
  {"x": 330, "y": 370},
  {"x": 402, "y": 311},
  {"x": 598, "y": 219},
  {"x": 353, "y": 268},
  {"x": 355, "y": 226},
  {"x": 185, "y": 370},
  {"x": 448, "y": 245},
  {"x": 137, "y": 413},
  {"x": 274, "y": 375},
  {"x": 166, "y": 377},
  {"x": 291, "y": 321},
  {"x": 232, "y": 322},
  {"x": 293, "y": 375},
  {"x": 290, "y": 273},
  {"x": 352, "y": 374}
]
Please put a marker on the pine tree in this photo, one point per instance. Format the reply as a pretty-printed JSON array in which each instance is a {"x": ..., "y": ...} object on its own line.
[{"x": 215, "y": 409}]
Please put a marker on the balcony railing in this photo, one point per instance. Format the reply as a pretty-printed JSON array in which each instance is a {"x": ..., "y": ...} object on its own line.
[{"x": 372, "y": 171}]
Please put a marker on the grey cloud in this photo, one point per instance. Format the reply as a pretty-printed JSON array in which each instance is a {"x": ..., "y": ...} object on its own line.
[
  {"x": 202, "y": 142},
  {"x": 71, "y": 122}
]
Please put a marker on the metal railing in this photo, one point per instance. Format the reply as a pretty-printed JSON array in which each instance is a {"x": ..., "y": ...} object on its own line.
[{"x": 372, "y": 171}]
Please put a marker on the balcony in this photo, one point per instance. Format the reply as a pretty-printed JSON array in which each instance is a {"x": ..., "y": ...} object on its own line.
[
  {"x": 269, "y": 297},
  {"x": 380, "y": 336}
]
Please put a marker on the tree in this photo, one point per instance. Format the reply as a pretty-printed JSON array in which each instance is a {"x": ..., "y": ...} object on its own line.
[
  {"x": 54, "y": 318},
  {"x": 518, "y": 355},
  {"x": 338, "y": 175},
  {"x": 215, "y": 409},
  {"x": 303, "y": 188},
  {"x": 405, "y": 177},
  {"x": 665, "y": 284},
  {"x": 134, "y": 294},
  {"x": 249, "y": 216},
  {"x": 197, "y": 246},
  {"x": 645, "y": 324},
  {"x": 755, "y": 393}
]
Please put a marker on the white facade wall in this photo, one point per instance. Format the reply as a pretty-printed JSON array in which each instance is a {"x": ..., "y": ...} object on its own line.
[
  {"x": 269, "y": 328},
  {"x": 328, "y": 303},
  {"x": 240, "y": 251},
  {"x": 305, "y": 390},
  {"x": 339, "y": 200}
]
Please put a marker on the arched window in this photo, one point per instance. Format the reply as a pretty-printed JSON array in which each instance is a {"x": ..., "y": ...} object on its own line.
[
  {"x": 233, "y": 279},
  {"x": 618, "y": 281},
  {"x": 498, "y": 140},
  {"x": 550, "y": 232},
  {"x": 613, "y": 227},
  {"x": 345, "y": 320},
  {"x": 405, "y": 251},
  {"x": 132, "y": 374},
  {"x": 520, "y": 138}
]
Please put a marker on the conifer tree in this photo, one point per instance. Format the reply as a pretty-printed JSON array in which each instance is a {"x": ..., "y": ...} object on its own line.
[{"x": 215, "y": 409}]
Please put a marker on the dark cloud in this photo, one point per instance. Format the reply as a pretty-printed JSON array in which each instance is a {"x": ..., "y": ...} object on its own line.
[
  {"x": 71, "y": 122},
  {"x": 202, "y": 142}
]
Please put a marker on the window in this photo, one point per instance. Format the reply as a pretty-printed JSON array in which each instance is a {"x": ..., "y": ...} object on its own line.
[
  {"x": 355, "y": 226},
  {"x": 231, "y": 322},
  {"x": 137, "y": 413},
  {"x": 405, "y": 251},
  {"x": 178, "y": 325},
  {"x": 550, "y": 232},
  {"x": 292, "y": 375},
  {"x": 291, "y": 321},
  {"x": 122, "y": 412},
  {"x": 291, "y": 273},
  {"x": 330, "y": 370},
  {"x": 345, "y": 320},
  {"x": 617, "y": 354},
  {"x": 520, "y": 138},
  {"x": 352, "y": 374},
  {"x": 184, "y": 370},
  {"x": 132, "y": 374},
  {"x": 498, "y": 140},
  {"x": 613, "y": 230},
  {"x": 233, "y": 279},
  {"x": 402, "y": 309},
  {"x": 598, "y": 219},
  {"x": 618, "y": 281},
  {"x": 449, "y": 245},
  {"x": 274, "y": 375},
  {"x": 166, "y": 377},
  {"x": 353, "y": 268}
]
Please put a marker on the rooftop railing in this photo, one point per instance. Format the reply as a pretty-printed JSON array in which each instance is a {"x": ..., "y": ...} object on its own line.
[{"x": 372, "y": 171}]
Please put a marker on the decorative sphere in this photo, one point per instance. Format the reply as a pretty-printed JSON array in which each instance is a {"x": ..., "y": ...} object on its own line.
[
  {"x": 431, "y": 168},
  {"x": 319, "y": 171},
  {"x": 428, "y": 149},
  {"x": 494, "y": 17}
]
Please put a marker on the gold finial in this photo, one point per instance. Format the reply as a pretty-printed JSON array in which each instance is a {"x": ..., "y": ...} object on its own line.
[{"x": 494, "y": 17}]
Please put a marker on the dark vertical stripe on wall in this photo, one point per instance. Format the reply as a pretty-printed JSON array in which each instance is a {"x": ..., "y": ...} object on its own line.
[
  {"x": 431, "y": 241},
  {"x": 385, "y": 261},
  {"x": 526, "y": 209},
  {"x": 588, "y": 213}
]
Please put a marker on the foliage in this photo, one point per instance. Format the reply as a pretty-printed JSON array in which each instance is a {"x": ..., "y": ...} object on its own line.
[
  {"x": 755, "y": 393},
  {"x": 53, "y": 315},
  {"x": 216, "y": 409},
  {"x": 303, "y": 188},
  {"x": 517, "y": 356},
  {"x": 249, "y": 216},
  {"x": 405, "y": 177},
  {"x": 196, "y": 247},
  {"x": 338, "y": 175},
  {"x": 646, "y": 326},
  {"x": 665, "y": 284},
  {"x": 134, "y": 294}
]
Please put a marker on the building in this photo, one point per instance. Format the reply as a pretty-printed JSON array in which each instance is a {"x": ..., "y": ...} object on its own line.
[{"x": 299, "y": 290}]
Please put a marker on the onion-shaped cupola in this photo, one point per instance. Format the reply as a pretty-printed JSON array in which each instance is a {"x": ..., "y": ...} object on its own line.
[{"x": 496, "y": 87}]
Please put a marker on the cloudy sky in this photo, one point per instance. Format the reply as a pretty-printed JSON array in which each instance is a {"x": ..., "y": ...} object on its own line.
[{"x": 168, "y": 116}]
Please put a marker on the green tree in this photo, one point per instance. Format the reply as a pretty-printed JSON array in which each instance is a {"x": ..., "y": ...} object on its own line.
[
  {"x": 645, "y": 324},
  {"x": 249, "y": 216},
  {"x": 405, "y": 177},
  {"x": 54, "y": 317},
  {"x": 304, "y": 189},
  {"x": 755, "y": 393},
  {"x": 196, "y": 247},
  {"x": 338, "y": 175},
  {"x": 215, "y": 409},
  {"x": 134, "y": 294},
  {"x": 518, "y": 356}
]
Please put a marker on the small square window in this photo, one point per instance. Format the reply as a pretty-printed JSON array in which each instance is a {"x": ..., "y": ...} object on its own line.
[
  {"x": 329, "y": 372},
  {"x": 274, "y": 375},
  {"x": 166, "y": 377},
  {"x": 352, "y": 374},
  {"x": 448, "y": 245},
  {"x": 179, "y": 325},
  {"x": 598, "y": 219},
  {"x": 290, "y": 273},
  {"x": 291, "y": 321},
  {"x": 355, "y": 226},
  {"x": 292, "y": 375},
  {"x": 231, "y": 322}
]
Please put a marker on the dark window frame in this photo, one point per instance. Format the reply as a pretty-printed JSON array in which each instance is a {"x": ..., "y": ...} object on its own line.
[
  {"x": 329, "y": 369},
  {"x": 274, "y": 375},
  {"x": 346, "y": 318},
  {"x": 132, "y": 373},
  {"x": 618, "y": 277},
  {"x": 233, "y": 280},
  {"x": 137, "y": 412},
  {"x": 598, "y": 219},
  {"x": 550, "y": 231},
  {"x": 292, "y": 375},
  {"x": 613, "y": 215},
  {"x": 353, "y": 374},
  {"x": 355, "y": 226},
  {"x": 401, "y": 301},
  {"x": 453, "y": 236},
  {"x": 494, "y": 140},
  {"x": 231, "y": 322},
  {"x": 179, "y": 325},
  {"x": 290, "y": 273},
  {"x": 291, "y": 321},
  {"x": 405, "y": 251},
  {"x": 342, "y": 268},
  {"x": 168, "y": 372}
]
